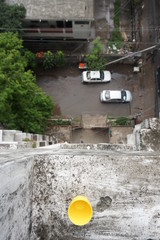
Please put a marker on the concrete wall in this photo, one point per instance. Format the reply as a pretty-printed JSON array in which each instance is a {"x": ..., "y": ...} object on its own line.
[
  {"x": 119, "y": 134},
  {"x": 14, "y": 139},
  {"x": 121, "y": 184},
  {"x": 146, "y": 135},
  {"x": 15, "y": 196}
]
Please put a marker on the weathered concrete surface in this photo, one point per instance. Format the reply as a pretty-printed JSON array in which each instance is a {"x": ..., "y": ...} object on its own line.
[
  {"x": 38, "y": 185},
  {"x": 15, "y": 196},
  {"x": 101, "y": 146},
  {"x": 94, "y": 121},
  {"x": 146, "y": 135},
  {"x": 123, "y": 189},
  {"x": 57, "y": 9},
  {"x": 96, "y": 135},
  {"x": 150, "y": 137},
  {"x": 119, "y": 134},
  {"x": 9, "y": 135},
  {"x": 13, "y": 139}
]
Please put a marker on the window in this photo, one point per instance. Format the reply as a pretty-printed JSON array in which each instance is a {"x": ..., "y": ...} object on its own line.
[
  {"x": 82, "y": 22},
  {"x": 44, "y": 23},
  {"x": 101, "y": 75},
  {"x": 68, "y": 24},
  {"x": 60, "y": 24},
  {"x": 107, "y": 96},
  {"x": 123, "y": 95},
  {"x": 88, "y": 75},
  {"x": 34, "y": 24}
]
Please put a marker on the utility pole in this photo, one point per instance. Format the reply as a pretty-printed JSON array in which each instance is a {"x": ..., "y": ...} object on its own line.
[{"x": 155, "y": 58}]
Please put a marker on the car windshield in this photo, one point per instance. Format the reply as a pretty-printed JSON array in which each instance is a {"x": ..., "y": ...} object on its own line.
[
  {"x": 107, "y": 95},
  {"x": 123, "y": 95},
  {"x": 101, "y": 75},
  {"x": 88, "y": 75}
]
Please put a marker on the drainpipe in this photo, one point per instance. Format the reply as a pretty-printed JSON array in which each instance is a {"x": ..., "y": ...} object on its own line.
[{"x": 155, "y": 58}]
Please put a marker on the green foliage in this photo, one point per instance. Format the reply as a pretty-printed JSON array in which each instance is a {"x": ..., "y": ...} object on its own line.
[
  {"x": 138, "y": 2},
  {"x": 117, "y": 13},
  {"x": 122, "y": 121},
  {"x": 23, "y": 105},
  {"x": 61, "y": 122},
  {"x": 31, "y": 59},
  {"x": 97, "y": 47},
  {"x": 49, "y": 60},
  {"x": 116, "y": 34},
  {"x": 53, "y": 60},
  {"x": 34, "y": 145},
  {"x": 11, "y": 17},
  {"x": 26, "y": 140},
  {"x": 116, "y": 39},
  {"x": 59, "y": 59},
  {"x": 94, "y": 60}
]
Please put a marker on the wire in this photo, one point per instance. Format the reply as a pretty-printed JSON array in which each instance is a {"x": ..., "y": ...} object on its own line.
[
  {"x": 115, "y": 14},
  {"x": 39, "y": 28}
]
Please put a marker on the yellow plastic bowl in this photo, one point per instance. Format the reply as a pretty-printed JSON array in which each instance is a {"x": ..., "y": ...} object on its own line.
[{"x": 80, "y": 211}]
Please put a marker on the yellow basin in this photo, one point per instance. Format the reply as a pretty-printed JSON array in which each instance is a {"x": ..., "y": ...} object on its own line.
[{"x": 80, "y": 211}]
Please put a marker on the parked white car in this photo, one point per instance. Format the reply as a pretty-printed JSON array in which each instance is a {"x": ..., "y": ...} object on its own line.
[
  {"x": 96, "y": 76},
  {"x": 119, "y": 96}
]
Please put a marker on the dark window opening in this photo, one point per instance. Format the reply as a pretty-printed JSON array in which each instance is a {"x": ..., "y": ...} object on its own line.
[
  {"x": 44, "y": 23},
  {"x": 81, "y": 22},
  {"x": 60, "y": 24},
  {"x": 123, "y": 95},
  {"x": 34, "y": 24},
  {"x": 68, "y": 24}
]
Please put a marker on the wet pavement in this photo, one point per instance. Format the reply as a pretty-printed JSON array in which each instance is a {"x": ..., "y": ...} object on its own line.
[{"x": 75, "y": 98}]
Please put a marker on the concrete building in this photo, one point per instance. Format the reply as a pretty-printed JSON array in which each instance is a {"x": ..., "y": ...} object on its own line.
[
  {"x": 120, "y": 181},
  {"x": 57, "y": 19}
]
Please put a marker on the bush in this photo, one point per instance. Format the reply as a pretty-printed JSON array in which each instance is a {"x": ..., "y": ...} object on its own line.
[
  {"x": 60, "y": 122},
  {"x": 49, "y": 60},
  {"x": 95, "y": 62},
  {"x": 122, "y": 121},
  {"x": 59, "y": 59}
]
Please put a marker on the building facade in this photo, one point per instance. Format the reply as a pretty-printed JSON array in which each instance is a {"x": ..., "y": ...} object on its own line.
[{"x": 57, "y": 19}]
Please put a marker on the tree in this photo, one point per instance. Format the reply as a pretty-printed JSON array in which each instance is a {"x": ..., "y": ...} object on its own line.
[
  {"x": 23, "y": 105},
  {"x": 97, "y": 47},
  {"x": 94, "y": 60},
  {"x": 11, "y": 17},
  {"x": 31, "y": 59}
]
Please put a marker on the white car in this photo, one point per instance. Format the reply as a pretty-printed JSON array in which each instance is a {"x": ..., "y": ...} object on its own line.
[
  {"x": 119, "y": 96},
  {"x": 96, "y": 76}
]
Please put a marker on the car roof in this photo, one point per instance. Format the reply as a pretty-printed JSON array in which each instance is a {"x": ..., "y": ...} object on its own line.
[
  {"x": 115, "y": 94},
  {"x": 95, "y": 74}
]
